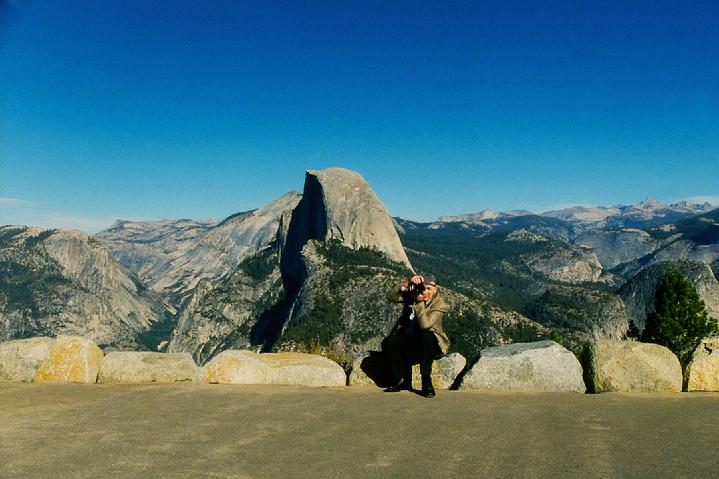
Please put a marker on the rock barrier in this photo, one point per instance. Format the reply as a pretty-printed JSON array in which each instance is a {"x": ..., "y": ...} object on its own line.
[
  {"x": 704, "y": 368},
  {"x": 631, "y": 366},
  {"x": 21, "y": 359},
  {"x": 147, "y": 367},
  {"x": 538, "y": 366},
  {"x": 247, "y": 367},
  {"x": 71, "y": 360}
]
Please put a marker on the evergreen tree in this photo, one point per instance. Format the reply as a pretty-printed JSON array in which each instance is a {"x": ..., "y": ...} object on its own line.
[{"x": 680, "y": 319}]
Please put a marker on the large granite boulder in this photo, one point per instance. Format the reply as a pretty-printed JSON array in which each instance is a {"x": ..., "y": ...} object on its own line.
[
  {"x": 538, "y": 366},
  {"x": 72, "y": 360},
  {"x": 21, "y": 359},
  {"x": 147, "y": 367},
  {"x": 371, "y": 370},
  {"x": 247, "y": 367},
  {"x": 704, "y": 368},
  {"x": 631, "y": 366}
]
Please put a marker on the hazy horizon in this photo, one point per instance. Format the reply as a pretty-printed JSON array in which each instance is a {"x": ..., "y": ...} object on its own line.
[{"x": 77, "y": 223}]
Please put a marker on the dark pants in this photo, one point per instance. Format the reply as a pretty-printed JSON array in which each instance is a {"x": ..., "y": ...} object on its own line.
[{"x": 404, "y": 350}]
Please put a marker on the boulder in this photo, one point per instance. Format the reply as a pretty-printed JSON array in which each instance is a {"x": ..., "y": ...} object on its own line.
[
  {"x": 72, "y": 360},
  {"x": 147, "y": 367},
  {"x": 247, "y": 367},
  {"x": 631, "y": 366},
  {"x": 538, "y": 366},
  {"x": 371, "y": 370},
  {"x": 704, "y": 368},
  {"x": 21, "y": 359}
]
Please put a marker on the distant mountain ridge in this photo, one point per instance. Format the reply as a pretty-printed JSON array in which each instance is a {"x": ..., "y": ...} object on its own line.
[{"x": 647, "y": 213}]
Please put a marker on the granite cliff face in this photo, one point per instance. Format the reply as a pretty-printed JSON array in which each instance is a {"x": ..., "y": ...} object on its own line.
[
  {"x": 232, "y": 312},
  {"x": 614, "y": 247},
  {"x": 147, "y": 247},
  {"x": 639, "y": 293},
  {"x": 65, "y": 282},
  {"x": 173, "y": 264},
  {"x": 693, "y": 239},
  {"x": 338, "y": 204},
  {"x": 580, "y": 314},
  {"x": 556, "y": 261}
]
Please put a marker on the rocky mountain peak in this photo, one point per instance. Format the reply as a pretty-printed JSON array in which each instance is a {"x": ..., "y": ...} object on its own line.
[
  {"x": 354, "y": 214},
  {"x": 649, "y": 204},
  {"x": 692, "y": 207}
]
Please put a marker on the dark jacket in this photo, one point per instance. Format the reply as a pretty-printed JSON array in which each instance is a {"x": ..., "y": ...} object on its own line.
[{"x": 426, "y": 316}]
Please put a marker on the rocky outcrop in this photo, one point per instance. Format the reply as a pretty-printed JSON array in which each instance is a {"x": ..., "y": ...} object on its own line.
[
  {"x": 639, "y": 293},
  {"x": 235, "y": 312},
  {"x": 630, "y": 366},
  {"x": 177, "y": 263},
  {"x": 343, "y": 299},
  {"x": 529, "y": 252},
  {"x": 71, "y": 360},
  {"x": 538, "y": 366},
  {"x": 147, "y": 367},
  {"x": 580, "y": 314},
  {"x": 21, "y": 359},
  {"x": 704, "y": 367},
  {"x": 65, "y": 282},
  {"x": 371, "y": 370},
  {"x": 572, "y": 265},
  {"x": 338, "y": 204},
  {"x": 246, "y": 367},
  {"x": 614, "y": 247},
  {"x": 147, "y": 247}
]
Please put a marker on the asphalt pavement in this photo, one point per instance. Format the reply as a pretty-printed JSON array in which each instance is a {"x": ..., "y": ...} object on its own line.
[{"x": 227, "y": 431}]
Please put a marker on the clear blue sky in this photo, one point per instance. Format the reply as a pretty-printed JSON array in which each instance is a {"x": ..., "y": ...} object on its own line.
[{"x": 177, "y": 109}]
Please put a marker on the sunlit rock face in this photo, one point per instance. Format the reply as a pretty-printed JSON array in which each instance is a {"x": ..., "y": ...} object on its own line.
[
  {"x": 536, "y": 366},
  {"x": 639, "y": 293},
  {"x": 704, "y": 368},
  {"x": 631, "y": 366},
  {"x": 246, "y": 367},
  {"x": 173, "y": 264},
  {"x": 66, "y": 282},
  {"x": 21, "y": 359},
  {"x": 338, "y": 204},
  {"x": 71, "y": 360},
  {"x": 147, "y": 367}
]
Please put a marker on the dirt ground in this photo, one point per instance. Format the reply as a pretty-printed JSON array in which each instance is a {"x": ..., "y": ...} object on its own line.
[{"x": 214, "y": 431}]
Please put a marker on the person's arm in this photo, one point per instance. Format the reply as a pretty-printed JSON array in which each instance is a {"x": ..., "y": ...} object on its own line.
[
  {"x": 396, "y": 294},
  {"x": 429, "y": 317}
]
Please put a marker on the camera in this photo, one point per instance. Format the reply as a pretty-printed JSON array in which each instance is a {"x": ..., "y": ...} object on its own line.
[{"x": 416, "y": 288}]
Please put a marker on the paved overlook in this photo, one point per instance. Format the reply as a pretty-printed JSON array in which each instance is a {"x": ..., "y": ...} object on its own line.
[{"x": 194, "y": 431}]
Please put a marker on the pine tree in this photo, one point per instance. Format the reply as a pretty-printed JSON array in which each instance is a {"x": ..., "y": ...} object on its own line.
[{"x": 680, "y": 319}]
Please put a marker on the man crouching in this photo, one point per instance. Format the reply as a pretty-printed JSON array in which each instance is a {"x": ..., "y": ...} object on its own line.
[{"x": 417, "y": 337}]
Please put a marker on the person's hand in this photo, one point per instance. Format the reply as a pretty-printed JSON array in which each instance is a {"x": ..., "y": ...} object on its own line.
[{"x": 417, "y": 279}]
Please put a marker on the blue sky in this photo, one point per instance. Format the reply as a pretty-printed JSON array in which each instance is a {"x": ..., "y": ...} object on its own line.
[{"x": 178, "y": 109}]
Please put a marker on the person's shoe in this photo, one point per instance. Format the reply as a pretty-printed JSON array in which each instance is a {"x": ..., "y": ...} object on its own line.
[
  {"x": 428, "y": 392},
  {"x": 427, "y": 387},
  {"x": 395, "y": 388}
]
